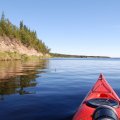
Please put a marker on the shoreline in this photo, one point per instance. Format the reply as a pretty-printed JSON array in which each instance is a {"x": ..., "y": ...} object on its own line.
[
  {"x": 9, "y": 56},
  {"x": 58, "y": 55}
]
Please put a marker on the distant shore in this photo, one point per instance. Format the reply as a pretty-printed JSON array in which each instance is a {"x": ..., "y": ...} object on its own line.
[{"x": 75, "y": 56}]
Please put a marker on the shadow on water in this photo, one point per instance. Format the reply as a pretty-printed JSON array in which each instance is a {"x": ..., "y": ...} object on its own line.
[{"x": 15, "y": 76}]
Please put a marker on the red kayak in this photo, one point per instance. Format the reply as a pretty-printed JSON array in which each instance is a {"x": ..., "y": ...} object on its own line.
[{"x": 101, "y": 103}]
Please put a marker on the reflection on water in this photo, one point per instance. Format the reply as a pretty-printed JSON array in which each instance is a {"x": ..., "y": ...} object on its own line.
[
  {"x": 35, "y": 91},
  {"x": 17, "y": 75}
]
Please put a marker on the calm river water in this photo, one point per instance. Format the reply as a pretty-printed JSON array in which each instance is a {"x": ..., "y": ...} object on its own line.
[{"x": 51, "y": 89}]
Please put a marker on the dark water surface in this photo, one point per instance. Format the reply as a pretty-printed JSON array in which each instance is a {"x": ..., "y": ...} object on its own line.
[{"x": 51, "y": 89}]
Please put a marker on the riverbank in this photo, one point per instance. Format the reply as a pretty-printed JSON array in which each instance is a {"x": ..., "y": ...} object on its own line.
[
  {"x": 13, "y": 49},
  {"x": 20, "y": 42},
  {"x": 8, "y": 56}
]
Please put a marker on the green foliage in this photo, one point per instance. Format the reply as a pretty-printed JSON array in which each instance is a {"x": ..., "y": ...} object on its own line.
[
  {"x": 22, "y": 33},
  {"x": 4, "y": 56},
  {"x": 75, "y": 56},
  {"x": 67, "y": 56},
  {"x": 9, "y": 56}
]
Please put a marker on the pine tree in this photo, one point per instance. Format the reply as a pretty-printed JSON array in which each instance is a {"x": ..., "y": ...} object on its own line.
[
  {"x": 3, "y": 16},
  {"x": 23, "y": 33},
  {"x": 21, "y": 24}
]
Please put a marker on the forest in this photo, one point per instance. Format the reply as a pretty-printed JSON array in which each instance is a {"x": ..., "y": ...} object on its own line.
[{"x": 23, "y": 34}]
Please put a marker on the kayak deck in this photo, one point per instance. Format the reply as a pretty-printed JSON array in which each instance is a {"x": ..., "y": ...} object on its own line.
[{"x": 101, "y": 90}]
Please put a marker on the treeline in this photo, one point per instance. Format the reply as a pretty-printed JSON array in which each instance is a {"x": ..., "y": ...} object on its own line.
[
  {"x": 75, "y": 56},
  {"x": 66, "y": 56},
  {"x": 22, "y": 33}
]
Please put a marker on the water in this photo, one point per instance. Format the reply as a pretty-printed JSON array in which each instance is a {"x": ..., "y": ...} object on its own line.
[{"x": 51, "y": 89}]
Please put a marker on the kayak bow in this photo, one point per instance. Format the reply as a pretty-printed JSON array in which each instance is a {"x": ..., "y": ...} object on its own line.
[{"x": 101, "y": 103}]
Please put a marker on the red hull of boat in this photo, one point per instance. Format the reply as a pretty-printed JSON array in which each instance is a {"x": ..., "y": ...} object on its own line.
[{"x": 101, "y": 89}]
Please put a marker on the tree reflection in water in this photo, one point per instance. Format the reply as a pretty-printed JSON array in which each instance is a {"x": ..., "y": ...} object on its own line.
[{"x": 15, "y": 76}]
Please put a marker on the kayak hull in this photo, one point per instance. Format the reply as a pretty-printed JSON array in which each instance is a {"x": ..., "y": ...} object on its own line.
[{"x": 101, "y": 90}]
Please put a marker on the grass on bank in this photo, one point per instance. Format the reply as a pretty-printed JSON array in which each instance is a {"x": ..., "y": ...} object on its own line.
[{"x": 16, "y": 56}]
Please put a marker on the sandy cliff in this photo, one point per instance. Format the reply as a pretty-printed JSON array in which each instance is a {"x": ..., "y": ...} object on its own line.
[{"x": 13, "y": 45}]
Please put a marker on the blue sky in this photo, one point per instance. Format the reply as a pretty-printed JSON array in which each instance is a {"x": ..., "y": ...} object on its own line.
[{"x": 83, "y": 27}]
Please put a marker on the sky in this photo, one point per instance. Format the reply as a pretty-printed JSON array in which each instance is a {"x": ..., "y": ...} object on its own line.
[{"x": 79, "y": 27}]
